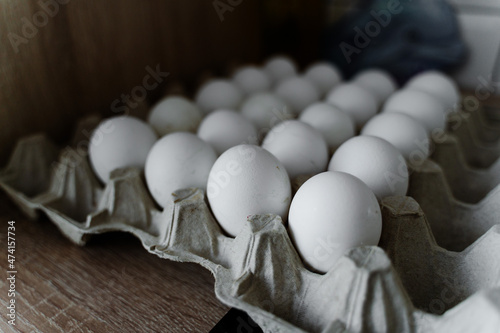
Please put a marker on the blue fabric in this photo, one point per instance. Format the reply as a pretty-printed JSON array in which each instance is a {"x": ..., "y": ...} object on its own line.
[{"x": 420, "y": 35}]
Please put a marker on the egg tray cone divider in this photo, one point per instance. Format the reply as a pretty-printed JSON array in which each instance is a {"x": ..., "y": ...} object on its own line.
[
  {"x": 27, "y": 175},
  {"x": 486, "y": 132},
  {"x": 436, "y": 279},
  {"x": 477, "y": 153},
  {"x": 467, "y": 183},
  {"x": 455, "y": 224},
  {"x": 259, "y": 271}
]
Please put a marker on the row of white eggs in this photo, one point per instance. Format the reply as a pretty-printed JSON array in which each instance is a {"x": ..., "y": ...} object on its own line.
[{"x": 333, "y": 211}]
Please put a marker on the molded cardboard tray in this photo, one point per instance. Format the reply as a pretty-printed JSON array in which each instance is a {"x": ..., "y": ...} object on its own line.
[{"x": 408, "y": 284}]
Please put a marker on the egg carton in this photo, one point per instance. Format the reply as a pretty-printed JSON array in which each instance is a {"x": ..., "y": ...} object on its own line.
[
  {"x": 468, "y": 184},
  {"x": 465, "y": 222},
  {"x": 408, "y": 284},
  {"x": 487, "y": 131},
  {"x": 478, "y": 141}
]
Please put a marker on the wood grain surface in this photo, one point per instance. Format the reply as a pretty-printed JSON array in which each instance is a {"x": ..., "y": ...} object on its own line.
[
  {"x": 90, "y": 52},
  {"x": 111, "y": 285}
]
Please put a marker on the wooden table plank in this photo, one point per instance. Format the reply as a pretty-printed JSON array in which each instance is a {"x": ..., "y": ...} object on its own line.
[{"x": 111, "y": 285}]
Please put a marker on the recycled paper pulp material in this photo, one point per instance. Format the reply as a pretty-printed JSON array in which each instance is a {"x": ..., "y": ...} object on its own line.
[{"x": 408, "y": 284}]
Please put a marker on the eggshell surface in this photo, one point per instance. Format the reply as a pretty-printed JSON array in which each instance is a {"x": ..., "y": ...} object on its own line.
[
  {"x": 335, "y": 125},
  {"x": 173, "y": 114},
  {"x": 374, "y": 161},
  {"x": 419, "y": 105},
  {"x": 224, "y": 129},
  {"x": 218, "y": 94},
  {"x": 439, "y": 85},
  {"x": 324, "y": 76},
  {"x": 408, "y": 135},
  {"x": 380, "y": 83},
  {"x": 298, "y": 93},
  {"x": 331, "y": 213},
  {"x": 247, "y": 180},
  {"x": 279, "y": 68},
  {"x": 252, "y": 80},
  {"x": 265, "y": 110},
  {"x": 178, "y": 160},
  {"x": 300, "y": 147},
  {"x": 355, "y": 100},
  {"x": 120, "y": 142}
]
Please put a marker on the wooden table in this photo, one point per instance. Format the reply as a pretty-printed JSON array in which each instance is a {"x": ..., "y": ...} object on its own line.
[{"x": 111, "y": 285}]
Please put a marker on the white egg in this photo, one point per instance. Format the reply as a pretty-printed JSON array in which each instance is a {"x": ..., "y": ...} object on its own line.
[
  {"x": 405, "y": 133},
  {"x": 265, "y": 110},
  {"x": 298, "y": 93},
  {"x": 335, "y": 125},
  {"x": 224, "y": 129},
  {"x": 174, "y": 114},
  {"x": 380, "y": 83},
  {"x": 439, "y": 85},
  {"x": 120, "y": 142},
  {"x": 376, "y": 162},
  {"x": 324, "y": 75},
  {"x": 178, "y": 160},
  {"x": 247, "y": 180},
  {"x": 218, "y": 94},
  {"x": 331, "y": 213},
  {"x": 252, "y": 80},
  {"x": 358, "y": 102},
  {"x": 297, "y": 145},
  {"x": 280, "y": 67},
  {"x": 419, "y": 105}
]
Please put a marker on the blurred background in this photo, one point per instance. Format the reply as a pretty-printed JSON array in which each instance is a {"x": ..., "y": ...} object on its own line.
[{"x": 62, "y": 59}]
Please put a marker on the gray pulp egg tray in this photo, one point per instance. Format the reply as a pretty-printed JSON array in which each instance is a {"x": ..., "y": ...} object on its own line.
[{"x": 433, "y": 272}]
